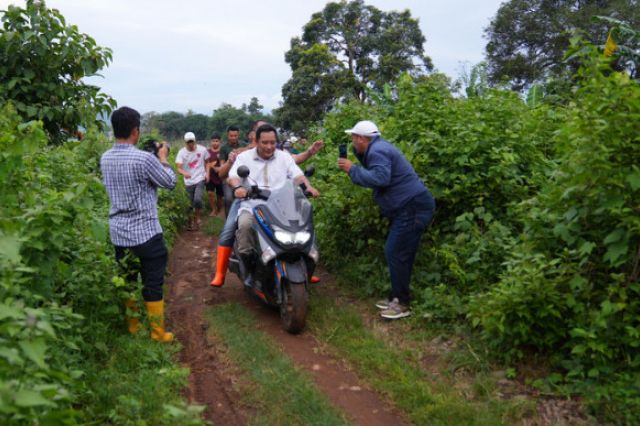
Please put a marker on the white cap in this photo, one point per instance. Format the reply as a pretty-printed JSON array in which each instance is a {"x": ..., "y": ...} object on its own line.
[
  {"x": 189, "y": 136},
  {"x": 364, "y": 128}
]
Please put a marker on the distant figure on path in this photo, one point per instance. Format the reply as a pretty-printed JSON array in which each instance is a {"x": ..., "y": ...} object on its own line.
[
  {"x": 214, "y": 183},
  {"x": 190, "y": 162}
]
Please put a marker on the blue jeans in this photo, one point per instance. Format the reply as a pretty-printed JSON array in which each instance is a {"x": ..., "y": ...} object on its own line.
[
  {"x": 228, "y": 234},
  {"x": 407, "y": 226}
]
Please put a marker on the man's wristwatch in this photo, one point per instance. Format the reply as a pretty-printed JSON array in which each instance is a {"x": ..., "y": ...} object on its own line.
[{"x": 233, "y": 190}]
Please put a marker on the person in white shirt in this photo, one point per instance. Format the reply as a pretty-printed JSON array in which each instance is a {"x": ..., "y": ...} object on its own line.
[
  {"x": 190, "y": 162},
  {"x": 269, "y": 168}
]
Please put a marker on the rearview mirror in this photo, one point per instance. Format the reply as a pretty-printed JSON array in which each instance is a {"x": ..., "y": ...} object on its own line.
[{"x": 243, "y": 171}]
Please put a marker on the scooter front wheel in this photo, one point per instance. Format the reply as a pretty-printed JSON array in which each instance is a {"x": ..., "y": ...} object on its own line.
[{"x": 294, "y": 307}]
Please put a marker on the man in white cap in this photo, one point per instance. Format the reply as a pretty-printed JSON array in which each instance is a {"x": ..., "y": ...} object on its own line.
[
  {"x": 190, "y": 162},
  {"x": 402, "y": 197}
]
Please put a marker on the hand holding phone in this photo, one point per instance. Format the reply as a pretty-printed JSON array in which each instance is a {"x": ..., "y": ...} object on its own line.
[{"x": 343, "y": 150}]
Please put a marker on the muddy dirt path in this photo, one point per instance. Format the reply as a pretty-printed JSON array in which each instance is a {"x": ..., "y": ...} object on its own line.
[{"x": 211, "y": 382}]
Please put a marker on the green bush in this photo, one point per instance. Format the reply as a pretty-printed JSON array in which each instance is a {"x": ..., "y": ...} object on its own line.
[
  {"x": 571, "y": 285},
  {"x": 480, "y": 157},
  {"x": 536, "y": 235},
  {"x": 42, "y": 66},
  {"x": 61, "y": 311}
]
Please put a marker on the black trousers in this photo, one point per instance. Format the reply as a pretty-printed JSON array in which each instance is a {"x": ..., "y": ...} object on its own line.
[{"x": 153, "y": 263}]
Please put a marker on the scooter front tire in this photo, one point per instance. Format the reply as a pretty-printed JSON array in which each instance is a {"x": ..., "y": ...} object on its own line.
[{"x": 294, "y": 308}]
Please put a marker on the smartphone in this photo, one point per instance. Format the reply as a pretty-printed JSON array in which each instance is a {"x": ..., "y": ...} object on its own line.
[{"x": 343, "y": 150}]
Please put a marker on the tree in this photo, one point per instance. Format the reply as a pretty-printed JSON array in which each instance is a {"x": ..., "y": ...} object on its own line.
[
  {"x": 42, "y": 63},
  {"x": 346, "y": 49},
  {"x": 254, "y": 107},
  {"x": 528, "y": 38},
  {"x": 317, "y": 81},
  {"x": 173, "y": 125},
  {"x": 227, "y": 115}
]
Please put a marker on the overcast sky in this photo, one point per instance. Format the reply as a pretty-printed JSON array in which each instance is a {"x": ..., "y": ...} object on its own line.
[{"x": 197, "y": 54}]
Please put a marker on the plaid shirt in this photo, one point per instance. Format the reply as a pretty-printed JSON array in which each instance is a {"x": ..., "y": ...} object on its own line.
[{"x": 131, "y": 177}]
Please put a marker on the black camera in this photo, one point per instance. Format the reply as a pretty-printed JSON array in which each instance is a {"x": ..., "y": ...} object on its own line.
[
  {"x": 153, "y": 146},
  {"x": 343, "y": 150}
]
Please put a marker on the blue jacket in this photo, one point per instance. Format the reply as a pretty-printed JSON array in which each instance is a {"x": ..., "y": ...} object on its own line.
[{"x": 391, "y": 176}]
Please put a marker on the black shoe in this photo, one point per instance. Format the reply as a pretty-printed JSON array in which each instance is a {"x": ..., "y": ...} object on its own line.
[{"x": 247, "y": 264}]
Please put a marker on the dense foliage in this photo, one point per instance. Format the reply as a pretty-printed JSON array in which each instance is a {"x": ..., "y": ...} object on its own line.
[
  {"x": 536, "y": 233},
  {"x": 65, "y": 354},
  {"x": 346, "y": 49},
  {"x": 527, "y": 39},
  {"x": 42, "y": 63}
]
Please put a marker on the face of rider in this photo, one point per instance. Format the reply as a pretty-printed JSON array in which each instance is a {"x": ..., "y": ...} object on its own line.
[
  {"x": 233, "y": 136},
  {"x": 191, "y": 145},
  {"x": 266, "y": 145}
]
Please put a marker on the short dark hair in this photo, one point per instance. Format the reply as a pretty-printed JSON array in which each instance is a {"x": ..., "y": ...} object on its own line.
[
  {"x": 123, "y": 121},
  {"x": 215, "y": 136},
  {"x": 266, "y": 128},
  {"x": 233, "y": 129}
]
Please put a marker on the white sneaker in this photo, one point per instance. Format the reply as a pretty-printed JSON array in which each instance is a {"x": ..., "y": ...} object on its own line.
[
  {"x": 396, "y": 310},
  {"x": 383, "y": 304}
]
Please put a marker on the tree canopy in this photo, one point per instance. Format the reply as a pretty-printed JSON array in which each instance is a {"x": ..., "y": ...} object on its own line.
[
  {"x": 528, "y": 38},
  {"x": 173, "y": 125},
  {"x": 42, "y": 63},
  {"x": 345, "y": 50}
]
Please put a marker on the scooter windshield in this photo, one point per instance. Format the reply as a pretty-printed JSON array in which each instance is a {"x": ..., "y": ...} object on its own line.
[{"x": 288, "y": 204}]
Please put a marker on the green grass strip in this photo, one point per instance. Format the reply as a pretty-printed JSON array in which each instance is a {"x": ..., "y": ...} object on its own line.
[
  {"x": 283, "y": 394},
  {"x": 213, "y": 225},
  {"x": 396, "y": 373}
]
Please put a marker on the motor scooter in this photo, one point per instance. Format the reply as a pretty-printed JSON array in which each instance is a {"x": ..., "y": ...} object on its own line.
[{"x": 285, "y": 254}]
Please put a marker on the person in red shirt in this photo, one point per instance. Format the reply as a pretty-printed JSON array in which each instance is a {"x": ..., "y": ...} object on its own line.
[{"x": 214, "y": 183}]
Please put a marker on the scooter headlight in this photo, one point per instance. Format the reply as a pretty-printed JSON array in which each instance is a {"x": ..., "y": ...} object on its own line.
[
  {"x": 288, "y": 238},
  {"x": 284, "y": 237},
  {"x": 302, "y": 237}
]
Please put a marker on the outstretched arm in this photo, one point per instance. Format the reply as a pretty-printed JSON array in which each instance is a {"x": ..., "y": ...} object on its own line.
[{"x": 313, "y": 150}]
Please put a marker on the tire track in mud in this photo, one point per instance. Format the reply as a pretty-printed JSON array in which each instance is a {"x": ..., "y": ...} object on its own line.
[{"x": 211, "y": 382}]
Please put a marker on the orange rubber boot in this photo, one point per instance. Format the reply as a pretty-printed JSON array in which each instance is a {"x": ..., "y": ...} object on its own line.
[
  {"x": 155, "y": 312},
  {"x": 222, "y": 261}
]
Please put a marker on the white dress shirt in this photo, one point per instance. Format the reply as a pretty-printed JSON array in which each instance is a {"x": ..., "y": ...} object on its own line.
[{"x": 267, "y": 174}]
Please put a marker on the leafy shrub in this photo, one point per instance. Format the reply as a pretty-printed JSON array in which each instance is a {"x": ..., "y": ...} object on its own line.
[
  {"x": 60, "y": 312},
  {"x": 480, "y": 157},
  {"x": 42, "y": 65},
  {"x": 571, "y": 286},
  {"x": 536, "y": 233}
]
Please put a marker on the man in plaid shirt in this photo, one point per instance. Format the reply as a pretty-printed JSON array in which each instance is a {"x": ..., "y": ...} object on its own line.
[{"x": 131, "y": 178}]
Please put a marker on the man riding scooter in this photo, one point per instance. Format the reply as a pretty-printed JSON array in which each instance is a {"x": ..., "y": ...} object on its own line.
[
  {"x": 269, "y": 168},
  {"x": 227, "y": 235}
]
